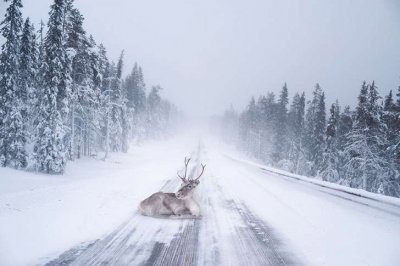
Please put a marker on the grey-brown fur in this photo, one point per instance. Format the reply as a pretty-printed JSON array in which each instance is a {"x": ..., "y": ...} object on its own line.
[{"x": 179, "y": 203}]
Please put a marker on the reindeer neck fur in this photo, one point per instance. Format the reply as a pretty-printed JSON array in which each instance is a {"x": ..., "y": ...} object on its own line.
[{"x": 189, "y": 199}]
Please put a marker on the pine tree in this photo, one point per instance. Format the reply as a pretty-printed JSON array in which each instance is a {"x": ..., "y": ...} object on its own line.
[
  {"x": 28, "y": 64},
  {"x": 13, "y": 95},
  {"x": 391, "y": 152},
  {"x": 345, "y": 125},
  {"x": 154, "y": 112},
  {"x": 136, "y": 106},
  {"x": 280, "y": 129},
  {"x": 50, "y": 152},
  {"x": 117, "y": 104},
  {"x": 330, "y": 164},
  {"x": 253, "y": 136},
  {"x": 83, "y": 95},
  {"x": 140, "y": 94},
  {"x": 95, "y": 115},
  {"x": 395, "y": 147},
  {"x": 314, "y": 140},
  {"x": 38, "y": 81},
  {"x": 390, "y": 117},
  {"x": 296, "y": 132},
  {"x": 105, "y": 78},
  {"x": 135, "y": 88},
  {"x": 366, "y": 166},
  {"x": 266, "y": 120}
]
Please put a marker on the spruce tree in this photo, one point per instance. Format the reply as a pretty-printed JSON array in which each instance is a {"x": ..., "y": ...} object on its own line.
[
  {"x": 117, "y": 104},
  {"x": 13, "y": 95},
  {"x": 136, "y": 102},
  {"x": 266, "y": 108},
  {"x": 83, "y": 95},
  {"x": 253, "y": 138},
  {"x": 28, "y": 75},
  {"x": 396, "y": 142},
  {"x": 280, "y": 128},
  {"x": 330, "y": 165},
  {"x": 366, "y": 166},
  {"x": 345, "y": 125},
  {"x": 391, "y": 152},
  {"x": 28, "y": 63},
  {"x": 94, "y": 115},
  {"x": 135, "y": 88},
  {"x": 314, "y": 138},
  {"x": 50, "y": 151},
  {"x": 296, "y": 132}
]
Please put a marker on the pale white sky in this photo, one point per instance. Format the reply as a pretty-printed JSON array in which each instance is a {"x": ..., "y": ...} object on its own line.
[{"x": 211, "y": 53}]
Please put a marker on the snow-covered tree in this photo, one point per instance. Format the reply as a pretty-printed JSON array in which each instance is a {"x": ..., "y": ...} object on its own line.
[
  {"x": 330, "y": 164},
  {"x": 136, "y": 102},
  {"x": 50, "y": 151},
  {"x": 391, "y": 152},
  {"x": 84, "y": 94},
  {"x": 154, "y": 117},
  {"x": 266, "y": 109},
  {"x": 136, "y": 89},
  {"x": 296, "y": 132},
  {"x": 28, "y": 66},
  {"x": 345, "y": 125},
  {"x": 13, "y": 93},
  {"x": 366, "y": 166},
  {"x": 314, "y": 141},
  {"x": 118, "y": 102},
  {"x": 280, "y": 128},
  {"x": 250, "y": 124}
]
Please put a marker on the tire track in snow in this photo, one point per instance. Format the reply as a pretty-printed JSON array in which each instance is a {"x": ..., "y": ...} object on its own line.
[
  {"x": 141, "y": 241},
  {"x": 246, "y": 239},
  {"x": 252, "y": 241},
  {"x": 260, "y": 240},
  {"x": 181, "y": 251}
]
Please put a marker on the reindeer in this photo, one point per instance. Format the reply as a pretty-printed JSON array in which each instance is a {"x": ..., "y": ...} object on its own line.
[{"x": 179, "y": 203}]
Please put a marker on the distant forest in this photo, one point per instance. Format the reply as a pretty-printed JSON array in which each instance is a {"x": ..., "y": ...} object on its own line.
[
  {"x": 62, "y": 98},
  {"x": 357, "y": 148}
]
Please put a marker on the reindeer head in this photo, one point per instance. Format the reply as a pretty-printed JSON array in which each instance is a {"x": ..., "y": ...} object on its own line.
[
  {"x": 187, "y": 190},
  {"x": 189, "y": 184}
]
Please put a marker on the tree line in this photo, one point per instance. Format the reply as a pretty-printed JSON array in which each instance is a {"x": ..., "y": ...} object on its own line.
[
  {"x": 62, "y": 98},
  {"x": 357, "y": 148}
]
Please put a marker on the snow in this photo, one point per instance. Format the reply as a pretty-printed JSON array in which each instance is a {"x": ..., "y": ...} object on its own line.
[
  {"x": 324, "y": 229},
  {"x": 42, "y": 216},
  {"x": 353, "y": 191}
]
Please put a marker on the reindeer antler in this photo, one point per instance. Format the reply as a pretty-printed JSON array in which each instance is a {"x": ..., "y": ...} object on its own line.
[
  {"x": 186, "y": 166},
  {"x": 202, "y": 171}
]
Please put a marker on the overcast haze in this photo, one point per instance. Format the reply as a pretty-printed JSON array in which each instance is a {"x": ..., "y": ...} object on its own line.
[{"x": 208, "y": 54}]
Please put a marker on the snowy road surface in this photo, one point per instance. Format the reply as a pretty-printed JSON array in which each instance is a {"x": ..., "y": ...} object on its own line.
[{"x": 251, "y": 215}]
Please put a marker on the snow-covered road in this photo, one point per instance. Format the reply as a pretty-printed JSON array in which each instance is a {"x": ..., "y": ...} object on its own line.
[{"x": 251, "y": 215}]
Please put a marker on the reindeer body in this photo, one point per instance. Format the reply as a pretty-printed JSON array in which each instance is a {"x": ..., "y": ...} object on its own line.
[
  {"x": 161, "y": 203},
  {"x": 179, "y": 203}
]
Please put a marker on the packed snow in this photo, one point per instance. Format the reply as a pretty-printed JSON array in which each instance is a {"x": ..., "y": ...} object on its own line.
[{"x": 251, "y": 213}]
